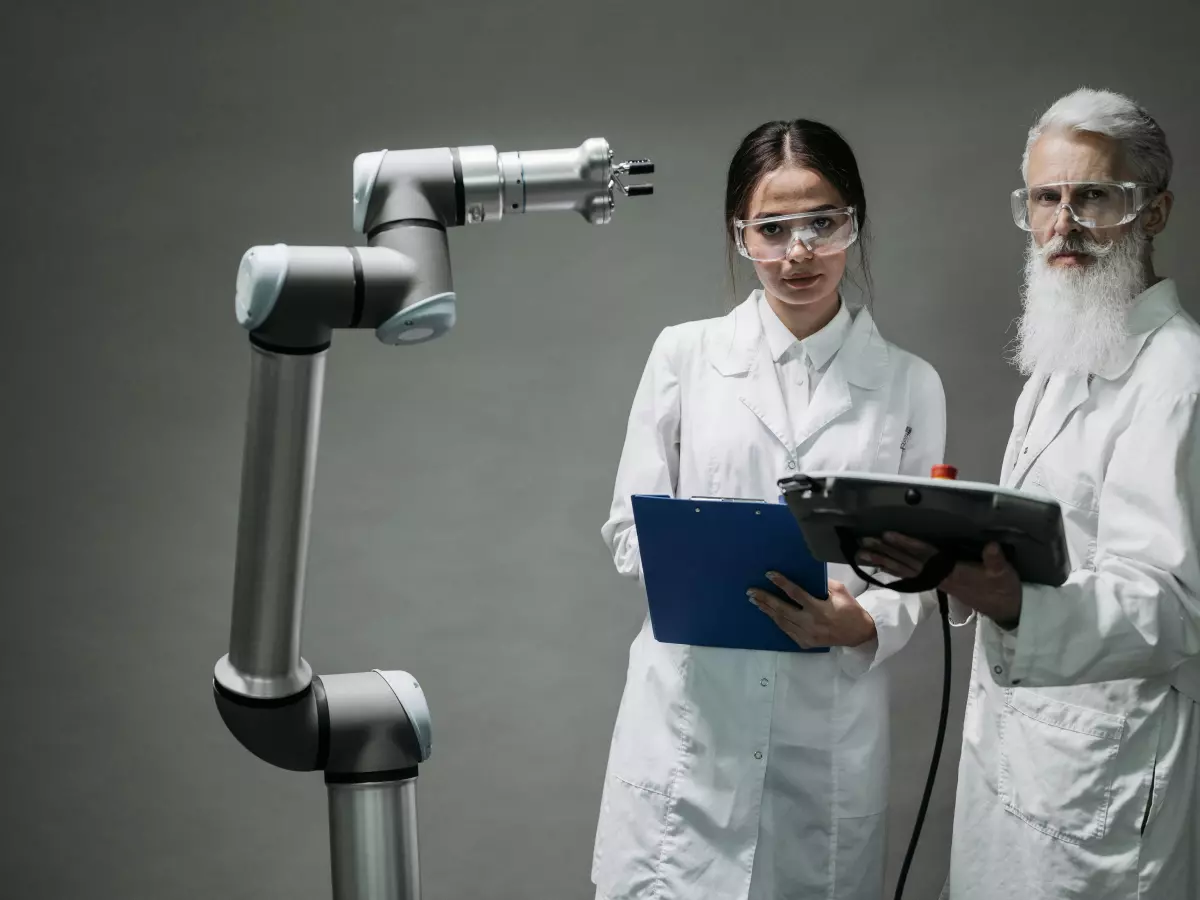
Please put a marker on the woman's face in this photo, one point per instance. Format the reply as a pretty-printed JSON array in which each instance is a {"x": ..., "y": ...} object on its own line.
[{"x": 800, "y": 279}]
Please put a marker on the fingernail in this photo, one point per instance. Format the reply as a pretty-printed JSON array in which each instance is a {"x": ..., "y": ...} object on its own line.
[
  {"x": 750, "y": 595},
  {"x": 866, "y": 558},
  {"x": 870, "y": 542},
  {"x": 774, "y": 576}
]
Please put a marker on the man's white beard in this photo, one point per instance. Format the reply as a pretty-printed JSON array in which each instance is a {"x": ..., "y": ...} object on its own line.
[{"x": 1074, "y": 319}]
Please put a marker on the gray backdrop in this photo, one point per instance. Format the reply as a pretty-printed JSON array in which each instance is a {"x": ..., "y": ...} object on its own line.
[{"x": 462, "y": 484}]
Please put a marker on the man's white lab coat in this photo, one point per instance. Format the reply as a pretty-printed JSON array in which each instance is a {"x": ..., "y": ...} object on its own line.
[
  {"x": 1081, "y": 756},
  {"x": 747, "y": 775}
]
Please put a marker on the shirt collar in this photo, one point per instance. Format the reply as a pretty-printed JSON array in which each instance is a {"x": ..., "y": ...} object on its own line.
[
  {"x": 1150, "y": 310},
  {"x": 820, "y": 347}
]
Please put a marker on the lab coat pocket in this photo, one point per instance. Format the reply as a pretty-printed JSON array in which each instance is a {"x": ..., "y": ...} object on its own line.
[
  {"x": 1068, "y": 490},
  {"x": 1057, "y": 765},
  {"x": 630, "y": 840},
  {"x": 653, "y": 725}
]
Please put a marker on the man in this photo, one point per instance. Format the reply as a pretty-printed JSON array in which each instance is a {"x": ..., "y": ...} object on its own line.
[{"x": 1080, "y": 770}]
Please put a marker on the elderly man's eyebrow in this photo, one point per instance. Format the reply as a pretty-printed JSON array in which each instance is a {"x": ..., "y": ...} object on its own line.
[{"x": 1073, "y": 185}]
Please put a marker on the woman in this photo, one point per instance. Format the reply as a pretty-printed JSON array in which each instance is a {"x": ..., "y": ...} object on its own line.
[{"x": 749, "y": 774}]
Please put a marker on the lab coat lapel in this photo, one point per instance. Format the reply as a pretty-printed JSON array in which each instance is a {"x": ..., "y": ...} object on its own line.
[
  {"x": 736, "y": 349},
  {"x": 1063, "y": 395},
  {"x": 862, "y": 360},
  {"x": 830, "y": 400},
  {"x": 1027, "y": 402},
  {"x": 763, "y": 396}
]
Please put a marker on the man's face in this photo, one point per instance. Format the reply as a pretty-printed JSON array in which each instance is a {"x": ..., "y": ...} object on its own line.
[
  {"x": 1079, "y": 281},
  {"x": 1080, "y": 157},
  {"x": 1085, "y": 158}
]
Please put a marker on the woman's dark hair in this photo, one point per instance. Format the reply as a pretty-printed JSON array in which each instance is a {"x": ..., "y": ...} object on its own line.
[{"x": 804, "y": 143}]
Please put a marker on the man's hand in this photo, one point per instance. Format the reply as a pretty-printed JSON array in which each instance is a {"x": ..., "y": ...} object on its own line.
[
  {"x": 837, "y": 622},
  {"x": 992, "y": 589}
]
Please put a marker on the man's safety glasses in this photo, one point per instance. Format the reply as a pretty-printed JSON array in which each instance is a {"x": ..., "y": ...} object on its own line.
[
  {"x": 822, "y": 233},
  {"x": 1090, "y": 204}
]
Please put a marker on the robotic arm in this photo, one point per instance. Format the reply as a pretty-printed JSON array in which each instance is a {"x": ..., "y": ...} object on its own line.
[{"x": 368, "y": 731}]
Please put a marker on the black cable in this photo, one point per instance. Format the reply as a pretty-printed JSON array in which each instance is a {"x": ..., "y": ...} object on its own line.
[{"x": 944, "y": 609}]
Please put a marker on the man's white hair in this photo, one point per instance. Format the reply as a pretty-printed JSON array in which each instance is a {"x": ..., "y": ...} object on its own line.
[{"x": 1115, "y": 116}]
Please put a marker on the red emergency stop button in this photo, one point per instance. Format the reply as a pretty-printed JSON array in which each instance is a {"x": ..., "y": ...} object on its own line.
[{"x": 943, "y": 471}]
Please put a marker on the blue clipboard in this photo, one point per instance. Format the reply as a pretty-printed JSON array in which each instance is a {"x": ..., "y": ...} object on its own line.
[{"x": 700, "y": 556}]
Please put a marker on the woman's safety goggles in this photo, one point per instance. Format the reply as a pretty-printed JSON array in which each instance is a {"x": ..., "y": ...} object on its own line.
[
  {"x": 1089, "y": 204},
  {"x": 822, "y": 233}
]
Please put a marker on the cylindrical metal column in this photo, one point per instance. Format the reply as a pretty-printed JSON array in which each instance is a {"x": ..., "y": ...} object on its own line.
[
  {"x": 373, "y": 840},
  {"x": 278, "y": 469}
]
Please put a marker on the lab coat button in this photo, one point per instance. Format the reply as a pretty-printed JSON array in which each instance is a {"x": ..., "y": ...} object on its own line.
[
  {"x": 998, "y": 670},
  {"x": 758, "y": 754},
  {"x": 764, "y": 682},
  {"x": 791, "y": 465}
]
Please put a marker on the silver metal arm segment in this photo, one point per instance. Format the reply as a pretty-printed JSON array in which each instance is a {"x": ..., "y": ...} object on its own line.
[{"x": 368, "y": 731}]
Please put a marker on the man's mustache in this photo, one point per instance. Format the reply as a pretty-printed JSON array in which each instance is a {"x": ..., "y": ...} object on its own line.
[{"x": 1075, "y": 242}]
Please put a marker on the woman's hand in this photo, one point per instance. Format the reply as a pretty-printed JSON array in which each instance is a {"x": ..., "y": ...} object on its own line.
[{"x": 837, "y": 622}]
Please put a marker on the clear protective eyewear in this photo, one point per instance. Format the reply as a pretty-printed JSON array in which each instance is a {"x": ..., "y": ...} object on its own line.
[
  {"x": 822, "y": 233},
  {"x": 1090, "y": 204}
]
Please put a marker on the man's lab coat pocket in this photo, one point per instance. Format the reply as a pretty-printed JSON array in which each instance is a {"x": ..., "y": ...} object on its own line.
[{"x": 1057, "y": 765}]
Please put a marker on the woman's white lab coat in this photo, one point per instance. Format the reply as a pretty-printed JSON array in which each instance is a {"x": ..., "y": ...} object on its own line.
[{"x": 746, "y": 774}]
